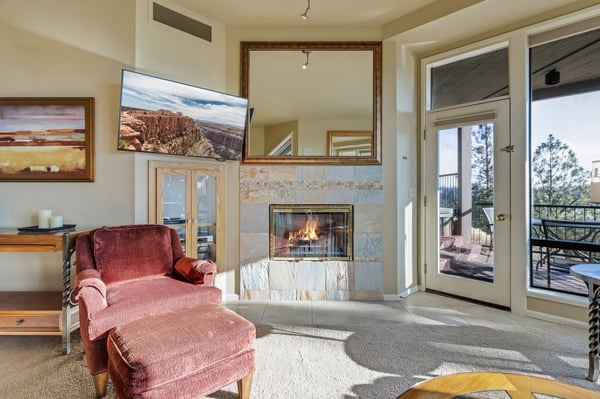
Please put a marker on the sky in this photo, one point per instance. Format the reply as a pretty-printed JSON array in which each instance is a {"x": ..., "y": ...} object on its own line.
[
  {"x": 152, "y": 93},
  {"x": 574, "y": 120},
  {"x": 41, "y": 117}
]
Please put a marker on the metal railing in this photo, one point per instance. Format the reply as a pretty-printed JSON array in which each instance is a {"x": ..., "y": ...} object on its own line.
[
  {"x": 542, "y": 273},
  {"x": 562, "y": 236},
  {"x": 448, "y": 188},
  {"x": 588, "y": 213}
]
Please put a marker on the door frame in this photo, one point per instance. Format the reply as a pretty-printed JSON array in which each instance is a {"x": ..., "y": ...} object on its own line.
[{"x": 498, "y": 110}]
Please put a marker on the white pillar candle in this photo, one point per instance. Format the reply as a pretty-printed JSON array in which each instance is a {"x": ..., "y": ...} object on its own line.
[
  {"x": 56, "y": 221},
  {"x": 44, "y": 218}
]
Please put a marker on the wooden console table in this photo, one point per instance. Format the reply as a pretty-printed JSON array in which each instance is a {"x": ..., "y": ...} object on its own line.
[{"x": 41, "y": 313}]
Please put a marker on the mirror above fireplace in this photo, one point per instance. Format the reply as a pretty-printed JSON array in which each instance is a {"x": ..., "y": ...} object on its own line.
[{"x": 293, "y": 108}]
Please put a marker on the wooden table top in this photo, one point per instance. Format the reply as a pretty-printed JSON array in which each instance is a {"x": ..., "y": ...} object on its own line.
[
  {"x": 13, "y": 240},
  {"x": 518, "y": 386}
]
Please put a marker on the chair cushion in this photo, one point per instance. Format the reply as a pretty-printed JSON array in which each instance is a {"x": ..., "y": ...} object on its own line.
[
  {"x": 148, "y": 296},
  {"x": 151, "y": 353},
  {"x": 132, "y": 251}
]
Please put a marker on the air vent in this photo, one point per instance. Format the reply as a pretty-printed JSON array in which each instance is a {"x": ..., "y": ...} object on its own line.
[{"x": 179, "y": 21}]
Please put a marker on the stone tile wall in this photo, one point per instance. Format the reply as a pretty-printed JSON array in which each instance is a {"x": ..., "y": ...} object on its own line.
[{"x": 262, "y": 278}]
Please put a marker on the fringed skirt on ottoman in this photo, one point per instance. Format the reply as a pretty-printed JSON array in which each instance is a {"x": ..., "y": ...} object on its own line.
[{"x": 188, "y": 353}]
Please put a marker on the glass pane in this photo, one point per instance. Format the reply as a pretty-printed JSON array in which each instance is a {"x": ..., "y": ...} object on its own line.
[
  {"x": 564, "y": 127},
  {"x": 174, "y": 204},
  {"x": 466, "y": 201},
  {"x": 173, "y": 199},
  {"x": 207, "y": 217},
  {"x": 471, "y": 79}
]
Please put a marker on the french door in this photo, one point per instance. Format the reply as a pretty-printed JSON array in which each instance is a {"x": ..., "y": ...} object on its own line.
[
  {"x": 467, "y": 201},
  {"x": 186, "y": 197}
]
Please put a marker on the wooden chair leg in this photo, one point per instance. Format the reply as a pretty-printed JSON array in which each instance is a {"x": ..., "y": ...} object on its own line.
[
  {"x": 244, "y": 385},
  {"x": 100, "y": 381}
]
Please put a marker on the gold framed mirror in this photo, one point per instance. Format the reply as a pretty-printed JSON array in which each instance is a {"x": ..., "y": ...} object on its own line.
[{"x": 300, "y": 91}]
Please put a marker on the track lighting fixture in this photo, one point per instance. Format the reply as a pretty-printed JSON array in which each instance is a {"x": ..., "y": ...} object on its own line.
[
  {"x": 552, "y": 77},
  {"x": 307, "y": 52},
  {"x": 306, "y": 12}
]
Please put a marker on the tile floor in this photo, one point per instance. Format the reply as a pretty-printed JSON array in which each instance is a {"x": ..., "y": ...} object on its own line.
[{"x": 421, "y": 307}]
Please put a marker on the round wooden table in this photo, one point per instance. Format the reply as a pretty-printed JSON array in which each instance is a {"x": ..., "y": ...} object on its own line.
[{"x": 517, "y": 386}]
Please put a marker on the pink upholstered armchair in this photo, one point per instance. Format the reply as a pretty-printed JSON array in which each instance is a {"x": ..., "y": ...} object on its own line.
[{"x": 129, "y": 272}]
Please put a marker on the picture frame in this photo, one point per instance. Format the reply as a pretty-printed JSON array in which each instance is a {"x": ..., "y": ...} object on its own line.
[
  {"x": 350, "y": 143},
  {"x": 46, "y": 139}
]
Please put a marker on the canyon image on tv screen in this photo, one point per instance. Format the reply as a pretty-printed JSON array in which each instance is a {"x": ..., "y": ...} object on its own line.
[{"x": 163, "y": 116}]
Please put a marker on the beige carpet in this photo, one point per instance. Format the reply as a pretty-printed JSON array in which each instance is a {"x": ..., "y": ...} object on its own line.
[{"x": 380, "y": 360}]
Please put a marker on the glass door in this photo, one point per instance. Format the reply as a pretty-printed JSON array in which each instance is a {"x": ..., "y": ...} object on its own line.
[
  {"x": 187, "y": 198},
  {"x": 467, "y": 160},
  {"x": 205, "y": 227},
  {"x": 172, "y": 186}
]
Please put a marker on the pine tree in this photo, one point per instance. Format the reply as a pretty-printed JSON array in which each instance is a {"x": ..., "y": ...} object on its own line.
[
  {"x": 482, "y": 174},
  {"x": 558, "y": 179}
]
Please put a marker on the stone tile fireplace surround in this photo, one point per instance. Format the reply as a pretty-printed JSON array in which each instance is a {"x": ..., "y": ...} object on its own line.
[{"x": 264, "y": 279}]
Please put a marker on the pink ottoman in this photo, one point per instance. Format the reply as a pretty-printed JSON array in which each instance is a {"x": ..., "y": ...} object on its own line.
[{"x": 187, "y": 353}]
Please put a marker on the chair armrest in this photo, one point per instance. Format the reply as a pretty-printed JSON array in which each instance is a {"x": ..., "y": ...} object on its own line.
[
  {"x": 90, "y": 289},
  {"x": 196, "y": 271}
]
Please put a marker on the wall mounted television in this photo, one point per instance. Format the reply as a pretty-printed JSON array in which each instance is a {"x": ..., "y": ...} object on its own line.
[{"x": 163, "y": 116}]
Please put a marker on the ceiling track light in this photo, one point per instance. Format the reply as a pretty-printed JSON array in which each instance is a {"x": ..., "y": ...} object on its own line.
[
  {"x": 307, "y": 52},
  {"x": 552, "y": 77},
  {"x": 306, "y": 12}
]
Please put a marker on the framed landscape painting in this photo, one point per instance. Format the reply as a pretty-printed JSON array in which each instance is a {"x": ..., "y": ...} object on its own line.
[{"x": 47, "y": 139}]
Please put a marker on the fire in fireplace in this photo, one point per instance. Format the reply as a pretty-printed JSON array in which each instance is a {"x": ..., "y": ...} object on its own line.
[{"x": 310, "y": 232}]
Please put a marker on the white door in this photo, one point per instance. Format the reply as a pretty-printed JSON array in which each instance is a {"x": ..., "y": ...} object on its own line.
[{"x": 467, "y": 201}]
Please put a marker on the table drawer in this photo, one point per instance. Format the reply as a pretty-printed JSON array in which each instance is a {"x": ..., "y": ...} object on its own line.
[{"x": 30, "y": 321}]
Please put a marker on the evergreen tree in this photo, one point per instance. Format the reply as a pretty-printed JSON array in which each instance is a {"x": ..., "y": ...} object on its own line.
[
  {"x": 482, "y": 160},
  {"x": 482, "y": 172},
  {"x": 558, "y": 179}
]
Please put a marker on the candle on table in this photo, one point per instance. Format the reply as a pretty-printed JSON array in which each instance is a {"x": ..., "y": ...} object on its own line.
[
  {"x": 56, "y": 221},
  {"x": 44, "y": 218}
]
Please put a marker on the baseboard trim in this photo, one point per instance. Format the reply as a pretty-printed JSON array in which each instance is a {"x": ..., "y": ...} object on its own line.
[
  {"x": 556, "y": 319},
  {"x": 231, "y": 297},
  {"x": 402, "y": 295}
]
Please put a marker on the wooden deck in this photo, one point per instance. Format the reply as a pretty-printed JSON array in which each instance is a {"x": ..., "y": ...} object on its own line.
[{"x": 477, "y": 262}]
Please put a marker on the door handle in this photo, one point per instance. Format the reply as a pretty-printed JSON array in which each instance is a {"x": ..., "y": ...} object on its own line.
[{"x": 500, "y": 217}]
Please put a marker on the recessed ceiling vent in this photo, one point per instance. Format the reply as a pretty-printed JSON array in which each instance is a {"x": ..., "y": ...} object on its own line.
[{"x": 179, "y": 21}]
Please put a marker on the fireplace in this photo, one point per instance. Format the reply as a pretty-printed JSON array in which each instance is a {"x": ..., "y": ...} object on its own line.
[{"x": 310, "y": 232}]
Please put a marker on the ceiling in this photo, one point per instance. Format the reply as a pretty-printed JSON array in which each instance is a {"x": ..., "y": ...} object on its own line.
[
  {"x": 421, "y": 25},
  {"x": 395, "y": 16},
  {"x": 286, "y": 13}
]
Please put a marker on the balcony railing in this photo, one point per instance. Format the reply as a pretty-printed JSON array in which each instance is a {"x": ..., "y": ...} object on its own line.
[
  {"x": 550, "y": 260},
  {"x": 563, "y": 236}
]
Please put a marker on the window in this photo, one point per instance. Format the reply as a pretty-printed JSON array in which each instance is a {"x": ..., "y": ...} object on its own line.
[
  {"x": 565, "y": 93},
  {"x": 474, "y": 78}
]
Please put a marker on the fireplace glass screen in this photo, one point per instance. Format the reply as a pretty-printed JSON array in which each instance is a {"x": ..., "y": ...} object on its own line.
[{"x": 311, "y": 232}]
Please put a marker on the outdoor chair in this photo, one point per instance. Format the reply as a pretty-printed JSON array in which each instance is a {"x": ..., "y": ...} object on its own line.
[
  {"x": 569, "y": 242},
  {"x": 489, "y": 214}
]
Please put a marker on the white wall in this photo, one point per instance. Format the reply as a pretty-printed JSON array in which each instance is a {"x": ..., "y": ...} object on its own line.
[
  {"x": 66, "y": 49},
  {"x": 313, "y": 132},
  {"x": 48, "y": 52},
  {"x": 75, "y": 48}
]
